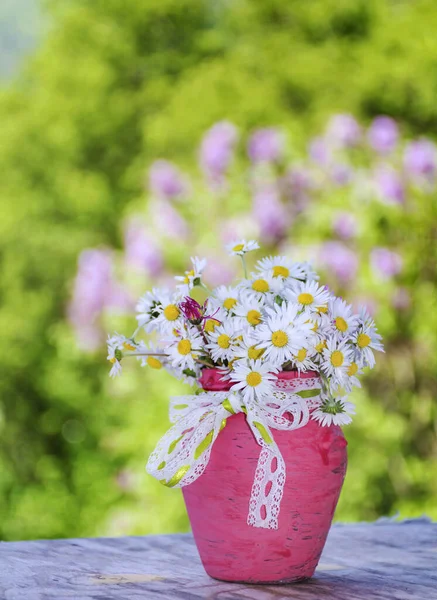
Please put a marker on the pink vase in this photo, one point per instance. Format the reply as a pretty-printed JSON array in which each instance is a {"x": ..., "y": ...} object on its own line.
[{"x": 218, "y": 501}]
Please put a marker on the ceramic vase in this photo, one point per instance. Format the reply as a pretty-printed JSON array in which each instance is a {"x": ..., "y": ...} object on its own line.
[{"x": 217, "y": 502}]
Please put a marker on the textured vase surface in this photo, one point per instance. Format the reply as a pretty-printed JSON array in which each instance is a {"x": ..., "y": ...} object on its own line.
[{"x": 218, "y": 501}]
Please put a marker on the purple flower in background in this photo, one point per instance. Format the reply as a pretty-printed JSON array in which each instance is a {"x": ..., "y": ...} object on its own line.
[
  {"x": 219, "y": 273},
  {"x": 345, "y": 225},
  {"x": 266, "y": 145},
  {"x": 270, "y": 213},
  {"x": 341, "y": 173},
  {"x": 385, "y": 263},
  {"x": 401, "y": 299},
  {"x": 95, "y": 289},
  {"x": 338, "y": 258},
  {"x": 141, "y": 250},
  {"x": 241, "y": 226},
  {"x": 126, "y": 480},
  {"x": 216, "y": 152},
  {"x": 167, "y": 181},
  {"x": 168, "y": 222},
  {"x": 343, "y": 131},
  {"x": 297, "y": 185},
  {"x": 383, "y": 134},
  {"x": 389, "y": 184},
  {"x": 420, "y": 160},
  {"x": 118, "y": 299},
  {"x": 319, "y": 151}
]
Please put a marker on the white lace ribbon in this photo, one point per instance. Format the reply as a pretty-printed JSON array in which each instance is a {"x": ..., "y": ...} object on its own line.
[{"x": 182, "y": 454}]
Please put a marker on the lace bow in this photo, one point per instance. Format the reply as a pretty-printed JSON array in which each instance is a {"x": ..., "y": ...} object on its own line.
[{"x": 182, "y": 454}]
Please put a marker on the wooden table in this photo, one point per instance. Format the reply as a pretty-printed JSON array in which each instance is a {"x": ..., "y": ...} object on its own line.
[{"x": 385, "y": 560}]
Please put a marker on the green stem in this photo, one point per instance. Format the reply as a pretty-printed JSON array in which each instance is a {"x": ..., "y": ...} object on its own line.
[
  {"x": 205, "y": 287},
  {"x": 202, "y": 362},
  {"x": 132, "y": 337},
  {"x": 244, "y": 265},
  {"x": 144, "y": 354}
]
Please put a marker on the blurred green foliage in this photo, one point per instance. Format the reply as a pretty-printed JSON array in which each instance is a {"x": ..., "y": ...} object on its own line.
[{"x": 115, "y": 85}]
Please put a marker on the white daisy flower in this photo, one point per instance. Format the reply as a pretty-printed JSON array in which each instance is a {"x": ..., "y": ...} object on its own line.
[
  {"x": 365, "y": 318},
  {"x": 334, "y": 412},
  {"x": 349, "y": 381},
  {"x": 193, "y": 277},
  {"x": 248, "y": 349},
  {"x": 154, "y": 362},
  {"x": 308, "y": 274},
  {"x": 170, "y": 315},
  {"x": 364, "y": 341},
  {"x": 254, "y": 379},
  {"x": 225, "y": 340},
  {"x": 322, "y": 330},
  {"x": 291, "y": 314},
  {"x": 225, "y": 297},
  {"x": 321, "y": 325},
  {"x": 148, "y": 307},
  {"x": 116, "y": 345},
  {"x": 303, "y": 359},
  {"x": 319, "y": 347},
  {"x": 261, "y": 287},
  {"x": 215, "y": 317},
  {"x": 248, "y": 311},
  {"x": 185, "y": 349},
  {"x": 115, "y": 369},
  {"x": 282, "y": 334},
  {"x": 284, "y": 268},
  {"x": 343, "y": 319},
  {"x": 337, "y": 358},
  {"x": 309, "y": 296},
  {"x": 241, "y": 247}
]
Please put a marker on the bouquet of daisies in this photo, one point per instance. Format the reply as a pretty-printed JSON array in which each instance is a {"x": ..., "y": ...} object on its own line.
[{"x": 277, "y": 319}]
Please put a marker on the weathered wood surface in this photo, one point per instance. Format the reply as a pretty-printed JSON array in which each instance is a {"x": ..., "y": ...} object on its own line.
[{"x": 393, "y": 561}]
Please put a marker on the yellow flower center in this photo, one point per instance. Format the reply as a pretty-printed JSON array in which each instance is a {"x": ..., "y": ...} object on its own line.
[
  {"x": 154, "y": 362},
  {"x": 315, "y": 327},
  {"x": 171, "y": 312},
  {"x": 188, "y": 275},
  {"x": 279, "y": 339},
  {"x": 254, "y": 353},
  {"x": 305, "y": 298},
  {"x": 260, "y": 285},
  {"x": 254, "y": 378},
  {"x": 321, "y": 346},
  {"x": 184, "y": 347},
  {"x": 352, "y": 369},
  {"x": 224, "y": 341},
  {"x": 128, "y": 346},
  {"x": 238, "y": 248},
  {"x": 301, "y": 355},
  {"x": 254, "y": 317},
  {"x": 280, "y": 272},
  {"x": 229, "y": 303},
  {"x": 112, "y": 360},
  {"x": 210, "y": 325},
  {"x": 341, "y": 324},
  {"x": 337, "y": 358},
  {"x": 322, "y": 309},
  {"x": 363, "y": 340}
]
